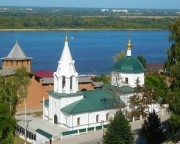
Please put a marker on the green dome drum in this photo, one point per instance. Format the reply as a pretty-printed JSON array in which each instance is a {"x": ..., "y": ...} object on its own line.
[{"x": 129, "y": 64}]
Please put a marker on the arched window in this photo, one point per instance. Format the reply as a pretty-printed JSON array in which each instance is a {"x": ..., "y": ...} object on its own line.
[
  {"x": 63, "y": 82},
  {"x": 107, "y": 116},
  {"x": 55, "y": 119},
  {"x": 78, "y": 121},
  {"x": 97, "y": 118},
  {"x": 71, "y": 82},
  {"x": 126, "y": 80},
  {"x": 83, "y": 89}
]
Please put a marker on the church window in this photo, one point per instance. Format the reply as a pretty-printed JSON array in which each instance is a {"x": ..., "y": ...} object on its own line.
[
  {"x": 107, "y": 116},
  {"x": 78, "y": 121},
  {"x": 71, "y": 82},
  {"x": 97, "y": 118},
  {"x": 55, "y": 119},
  {"x": 11, "y": 63},
  {"x": 63, "y": 82},
  {"x": 126, "y": 80},
  {"x": 16, "y": 63}
]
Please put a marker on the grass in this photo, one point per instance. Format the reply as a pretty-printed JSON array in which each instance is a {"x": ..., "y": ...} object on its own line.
[
  {"x": 38, "y": 114},
  {"x": 18, "y": 140}
]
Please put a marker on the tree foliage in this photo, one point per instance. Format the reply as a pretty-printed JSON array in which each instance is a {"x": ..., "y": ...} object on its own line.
[
  {"x": 12, "y": 90},
  {"x": 119, "y": 56},
  {"x": 104, "y": 78},
  {"x": 158, "y": 85},
  {"x": 142, "y": 60},
  {"x": 172, "y": 67},
  {"x": 152, "y": 130},
  {"x": 118, "y": 131},
  {"x": 139, "y": 103},
  {"x": 7, "y": 125}
]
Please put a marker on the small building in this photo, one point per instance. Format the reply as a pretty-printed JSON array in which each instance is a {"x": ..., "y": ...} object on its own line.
[{"x": 16, "y": 59}]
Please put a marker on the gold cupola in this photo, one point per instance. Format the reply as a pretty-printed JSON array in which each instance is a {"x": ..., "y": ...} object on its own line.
[
  {"x": 129, "y": 45},
  {"x": 66, "y": 39}
]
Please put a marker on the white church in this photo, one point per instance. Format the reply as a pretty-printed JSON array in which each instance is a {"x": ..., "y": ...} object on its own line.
[{"x": 72, "y": 109}]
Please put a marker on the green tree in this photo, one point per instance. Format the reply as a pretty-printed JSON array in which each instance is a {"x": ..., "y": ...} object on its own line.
[
  {"x": 118, "y": 131},
  {"x": 104, "y": 78},
  {"x": 22, "y": 80},
  {"x": 152, "y": 130},
  {"x": 172, "y": 67},
  {"x": 158, "y": 85},
  {"x": 142, "y": 60},
  {"x": 174, "y": 105},
  {"x": 7, "y": 125}
]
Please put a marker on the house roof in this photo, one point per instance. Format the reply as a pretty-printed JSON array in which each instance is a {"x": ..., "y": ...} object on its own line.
[
  {"x": 128, "y": 64},
  {"x": 84, "y": 79},
  {"x": 154, "y": 67},
  {"x": 48, "y": 80},
  {"x": 7, "y": 72},
  {"x": 93, "y": 101},
  {"x": 43, "y": 74},
  {"x": 16, "y": 54},
  {"x": 98, "y": 84}
]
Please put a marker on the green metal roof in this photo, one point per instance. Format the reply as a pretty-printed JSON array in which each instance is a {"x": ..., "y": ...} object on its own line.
[
  {"x": 129, "y": 64},
  {"x": 123, "y": 89},
  {"x": 52, "y": 93},
  {"x": 40, "y": 131},
  {"x": 93, "y": 101}
]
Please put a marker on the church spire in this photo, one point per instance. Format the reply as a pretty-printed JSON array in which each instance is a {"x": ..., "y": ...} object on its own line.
[
  {"x": 66, "y": 77},
  {"x": 129, "y": 46}
]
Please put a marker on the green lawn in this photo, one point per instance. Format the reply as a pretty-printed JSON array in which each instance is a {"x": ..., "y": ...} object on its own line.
[{"x": 18, "y": 140}]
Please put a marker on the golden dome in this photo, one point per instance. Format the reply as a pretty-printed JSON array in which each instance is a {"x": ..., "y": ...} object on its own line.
[
  {"x": 129, "y": 45},
  {"x": 66, "y": 39}
]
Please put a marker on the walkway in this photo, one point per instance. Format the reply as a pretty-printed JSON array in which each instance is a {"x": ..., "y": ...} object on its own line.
[{"x": 96, "y": 137}]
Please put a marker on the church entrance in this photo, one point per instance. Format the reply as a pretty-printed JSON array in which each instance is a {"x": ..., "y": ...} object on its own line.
[{"x": 55, "y": 119}]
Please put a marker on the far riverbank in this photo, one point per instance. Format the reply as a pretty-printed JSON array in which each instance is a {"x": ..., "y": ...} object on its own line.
[{"x": 4, "y": 30}]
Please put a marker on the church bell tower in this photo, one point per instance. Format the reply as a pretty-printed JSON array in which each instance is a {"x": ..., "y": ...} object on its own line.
[{"x": 66, "y": 77}]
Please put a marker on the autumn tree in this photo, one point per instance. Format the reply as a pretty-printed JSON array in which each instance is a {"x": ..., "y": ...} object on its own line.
[
  {"x": 119, "y": 56},
  {"x": 152, "y": 130},
  {"x": 118, "y": 131},
  {"x": 139, "y": 103}
]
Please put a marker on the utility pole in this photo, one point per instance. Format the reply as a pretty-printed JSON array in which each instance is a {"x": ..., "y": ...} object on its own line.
[{"x": 25, "y": 118}]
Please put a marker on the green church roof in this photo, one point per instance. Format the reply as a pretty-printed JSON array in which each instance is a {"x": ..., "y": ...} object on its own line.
[
  {"x": 129, "y": 64},
  {"x": 93, "y": 101}
]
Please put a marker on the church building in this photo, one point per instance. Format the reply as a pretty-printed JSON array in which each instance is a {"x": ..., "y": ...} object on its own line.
[{"x": 72, "y": 109}]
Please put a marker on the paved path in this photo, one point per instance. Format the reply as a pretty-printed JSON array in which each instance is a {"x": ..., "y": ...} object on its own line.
[{"x": 96, "y": 137}]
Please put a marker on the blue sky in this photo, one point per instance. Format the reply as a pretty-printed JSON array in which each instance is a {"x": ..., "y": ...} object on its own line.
[{"x": 162, "y": 4}]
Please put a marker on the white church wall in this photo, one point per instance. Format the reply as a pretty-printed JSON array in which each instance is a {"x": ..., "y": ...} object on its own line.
[
  {"x": 68, "y": 100},
  {"x": 118, "y": 79},
  {"x": 88, "y": 119},
  {"x": 55, "y": 104}
]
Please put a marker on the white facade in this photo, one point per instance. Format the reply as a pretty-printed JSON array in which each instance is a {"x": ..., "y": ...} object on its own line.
[
  {"x": 66, "y": 77},
  {"x": 65, "y": 93},
  {"x": 129, "y": 79}
]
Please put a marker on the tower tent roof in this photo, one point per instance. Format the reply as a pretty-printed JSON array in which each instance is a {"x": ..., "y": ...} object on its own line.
[
  {"x": 16, "y": 53},
  {"x": 66, "y": 64}
]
